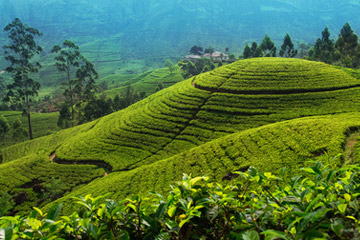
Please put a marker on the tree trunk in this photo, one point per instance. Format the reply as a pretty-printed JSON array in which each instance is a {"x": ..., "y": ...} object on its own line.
[{"x": 29, "y": 118}]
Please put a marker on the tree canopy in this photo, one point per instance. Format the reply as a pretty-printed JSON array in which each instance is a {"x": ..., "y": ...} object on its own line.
[
  {"x": 19, "y": 53},
  {"x": 287, "y": 48}
]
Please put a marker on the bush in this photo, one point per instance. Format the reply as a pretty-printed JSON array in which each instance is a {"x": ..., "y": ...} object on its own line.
[{"x": 321, "y": 203}]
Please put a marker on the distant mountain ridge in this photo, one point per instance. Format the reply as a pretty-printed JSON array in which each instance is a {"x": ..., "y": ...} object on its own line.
[{"x": 154, "y": 30}]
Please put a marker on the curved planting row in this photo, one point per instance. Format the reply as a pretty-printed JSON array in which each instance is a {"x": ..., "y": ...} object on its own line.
[
  {"x": 35, "y": 181},
  {"x": 278, "y": 76},
  {"x": 287, "y": 144},
  {"x": 183, "y": 116}
]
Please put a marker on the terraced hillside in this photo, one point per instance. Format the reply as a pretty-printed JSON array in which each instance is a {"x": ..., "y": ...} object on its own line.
[
  {"x": 146, "y": 82},
  {"x": 287, "y": 144},
  {"x": 212, "y": 124},
  {"x": 210, "y": 106}
]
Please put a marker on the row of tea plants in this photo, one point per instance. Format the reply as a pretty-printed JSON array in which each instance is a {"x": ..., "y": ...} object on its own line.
[{"x": 320, "y": 203}]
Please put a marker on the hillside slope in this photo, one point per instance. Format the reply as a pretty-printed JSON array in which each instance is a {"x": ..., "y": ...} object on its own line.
[
  {"x": 240, "y": 96},
  {"x": 290, "y": 144},
  {"x": 211, "y": 124}
]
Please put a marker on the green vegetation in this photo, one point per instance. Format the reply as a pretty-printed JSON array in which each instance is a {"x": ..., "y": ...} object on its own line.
[
  {"x": 289, "y": 144},
  {"x": 266, "y": 49},
  {"x": 19, "y": 53},
  {"x": 42, "y": 124},
  {"x": 146, "y": 82},
  {"x": 287, "y": 48},
  {"x": 31, "y": 180},
  {"x": 243, "y": 114},
  {"x": 321, "y": 202}
]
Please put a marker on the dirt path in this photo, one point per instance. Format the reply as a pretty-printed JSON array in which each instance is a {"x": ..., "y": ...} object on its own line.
[{"x": 52, "y": 157}]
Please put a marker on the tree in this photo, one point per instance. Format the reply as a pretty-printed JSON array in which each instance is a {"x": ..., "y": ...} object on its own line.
[
  {"x": 19, "y": 53},
  {"x": 304, "y": 49},
  {"x": 97, "y": 108},
  {"x": 4, "y": 126},
  {"x": 85, "y": 87},
  {"x": 130, "y": 96},
  {"x": 68, "y": 61},
  {"x": 287, "y": 48},
  {"x": 347, "y": 46},
  {"x": 268, "y": 47},
  {"x": 324, "y": 47},
  {"x": 210, "y": 50},
  {"x": 256, "y": 50},
  {"x": 2, "y": 88},
  {"x": 196, "y": 50},
  {"x": 169, "y": 64},
  {"x": 247, "y": 51},
  {"x": 64, "y": 117}
]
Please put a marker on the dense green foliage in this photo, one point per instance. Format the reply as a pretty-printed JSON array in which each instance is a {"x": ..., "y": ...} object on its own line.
[
  {"x": 322, "y": 203},
  {"x": 287, "y": 48},
  {"x": 209, "y": 125},
  {"x": 269, "y": 148},
  {"x": 29, "y": 180}
]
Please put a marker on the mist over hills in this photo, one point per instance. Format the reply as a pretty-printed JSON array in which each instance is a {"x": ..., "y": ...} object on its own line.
[{"x": 150, "y": 31}]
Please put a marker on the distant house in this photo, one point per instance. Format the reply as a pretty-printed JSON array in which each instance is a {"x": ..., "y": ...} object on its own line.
[{"x": 217, "y": 56}]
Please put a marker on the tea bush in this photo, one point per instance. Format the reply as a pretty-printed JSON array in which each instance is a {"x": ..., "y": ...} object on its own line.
[{"x": 320, "y": 203}]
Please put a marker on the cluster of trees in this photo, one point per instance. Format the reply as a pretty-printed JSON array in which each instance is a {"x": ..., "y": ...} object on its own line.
[
  {"x": 267, "y": 48},
  {"x": 97, "y": 107},
  {"x": 190, "y": 69},
  {"x": 22, "y": 48},
  {"x": 81, "y": 101},
  {"x": 345, "y": 51}
]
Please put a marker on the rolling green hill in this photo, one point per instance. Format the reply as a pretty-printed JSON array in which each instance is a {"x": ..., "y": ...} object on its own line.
[{"x": 227, "y": 119}]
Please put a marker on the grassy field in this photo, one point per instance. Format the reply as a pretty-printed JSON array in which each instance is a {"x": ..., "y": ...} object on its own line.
[{"x": 208, "y": 125}]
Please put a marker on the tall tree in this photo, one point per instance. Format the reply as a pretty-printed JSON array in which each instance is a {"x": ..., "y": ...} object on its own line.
[
  {"x": 268, "y": 47},
  {"x": 324, "y": 47},
  {"x": 68, "y": 61},
  {"x": 256, "y": 50},
  {"x": 210, "y": 50},
  {"x": 19, "y": 53},
  {"x": 287, "y": 48},
  {"x": 196, "y": 50},
  {"x": 347, "y": 46},
  {"x": 85, "y": 86},
  {"x": 247, "y": 51}
]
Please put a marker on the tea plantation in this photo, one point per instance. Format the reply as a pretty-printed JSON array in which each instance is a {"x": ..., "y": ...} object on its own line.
[{"x": 269, "y": 113}]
